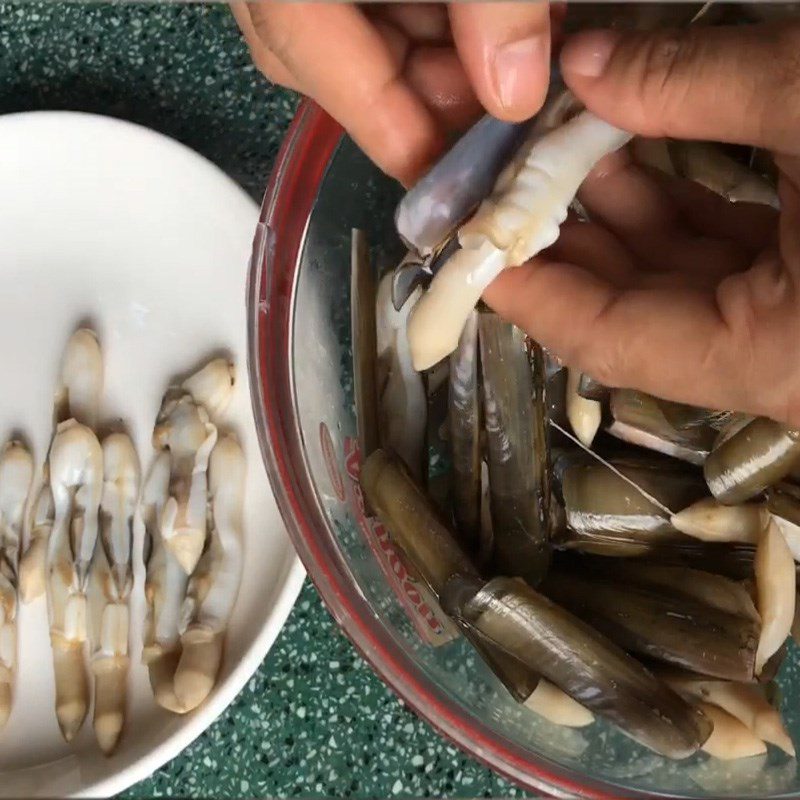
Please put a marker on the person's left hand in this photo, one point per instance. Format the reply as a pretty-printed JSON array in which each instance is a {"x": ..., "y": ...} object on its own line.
[{"x": 400, "y": 76}]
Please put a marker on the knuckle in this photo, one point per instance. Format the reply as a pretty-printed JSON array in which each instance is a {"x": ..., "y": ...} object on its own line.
[
  {"x": 666, "y": 70},
  {"x": 277, "y": 33}
]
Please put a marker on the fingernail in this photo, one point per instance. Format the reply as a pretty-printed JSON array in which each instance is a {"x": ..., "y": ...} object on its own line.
[
  {"x": 515, "y": 64},
  {"x": 587, "y": 54}
]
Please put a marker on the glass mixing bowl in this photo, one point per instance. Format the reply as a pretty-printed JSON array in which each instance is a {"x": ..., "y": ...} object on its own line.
[{"x": 300, "y": 360}]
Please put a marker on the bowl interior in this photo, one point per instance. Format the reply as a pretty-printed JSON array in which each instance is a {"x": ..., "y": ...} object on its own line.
[{"x": 352, "y": 561}]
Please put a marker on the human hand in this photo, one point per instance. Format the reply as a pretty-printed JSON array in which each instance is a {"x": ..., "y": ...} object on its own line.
[
  {"x": 670, "y": 289},
  {"x": 400, "y": 76}
]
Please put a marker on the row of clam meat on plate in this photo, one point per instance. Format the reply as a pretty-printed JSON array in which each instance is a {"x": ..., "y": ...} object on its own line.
[
  {"x": 606, "y": 552},
  {"x": 76, "y": 522}
]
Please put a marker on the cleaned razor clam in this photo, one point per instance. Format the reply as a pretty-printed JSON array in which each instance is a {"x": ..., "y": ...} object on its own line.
[
  {"x": 212, "y": 385},
  {"x": 165, "y": 589},
  {"x": 214, "y": 585},
  {"x": 76, "y": 483},
  {"x": 184, "y": 430},
  {"x": 110, "y": 587},
  {"x": 80, "y": 383},
  {"x": 16, "y": 474}
]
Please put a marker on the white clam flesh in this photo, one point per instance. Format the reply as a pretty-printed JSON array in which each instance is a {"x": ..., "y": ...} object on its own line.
[
  {"x": 213, "y": 385},
  {"x": 214, "y": 586},
  {"x": 775, "y": 592},
  {"x": 80, "y": 383},
  {"x": 184, "y": 430},
  {"x": 165, "y": 589},
  {"x": 110, "y": 586},
  {"x": 16, "y": 474},
  {"x": 520, "y": 218}
]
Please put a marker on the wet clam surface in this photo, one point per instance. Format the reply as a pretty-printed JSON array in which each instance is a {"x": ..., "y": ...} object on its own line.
[{"x": 597, "y": 538}]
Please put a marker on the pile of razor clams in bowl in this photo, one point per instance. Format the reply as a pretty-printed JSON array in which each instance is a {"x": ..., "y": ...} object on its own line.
[{"x": 606, "y": 552}]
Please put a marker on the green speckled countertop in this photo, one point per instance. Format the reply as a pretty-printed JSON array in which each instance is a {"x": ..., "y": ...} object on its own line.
[{"x": 314, "y": 721}]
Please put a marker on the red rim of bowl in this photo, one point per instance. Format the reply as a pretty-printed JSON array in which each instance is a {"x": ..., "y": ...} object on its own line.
[{"x": 293, "y": 188}]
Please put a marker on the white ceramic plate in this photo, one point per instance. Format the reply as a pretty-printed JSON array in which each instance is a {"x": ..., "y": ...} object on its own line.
[{"x": 105, "y": 221}]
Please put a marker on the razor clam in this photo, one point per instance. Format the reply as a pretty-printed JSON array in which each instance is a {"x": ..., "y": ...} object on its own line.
[
  {"x": 592, "y": 389},
  {"x": 442, "y": 199},
  {"x": 80, "y": 381},
  {"x": 75, "y": 471},
  {"x": 558, "y": 707},
  {"x": 716, "y": 591},
  {"x": 184, "y": 430},
  {"x": 783, "y": 503},
  {"x": 516, "y": 443},
  {"x": 746, "y": 702},
  {"x": 519, "y": 218},
  {"x": 730, "y": 561},
  {"x": 584, "y": 415},
  {"x": 756, "y": 457},
  {"x": 599, "y": 502},
  {"x": 464, "y": 419},
  {"x": 579, "y": 661},
  {"x": 415, "y": 527},
  {"x": 730, "y": 426},
  {"x": 364, "y": 344},
  {"x": 659, "y": 623},
  {"x": 776, "y": 586},
  {"x": 110, "y": 585},
  {"x": 639, "y": 419},
  {"x": 402, "y": 407},
  {"x": 682, "y": 416},
  {"x": 730, "y": 738},
  {"x": 709, "y": 520},
  {"x": 214, "y": 585},
  {"x": 16, "y": 475},
  {"x": 212, "y": 386},
  {"x": 436, "y": 478},
  {"x": 708, "y": 164}
]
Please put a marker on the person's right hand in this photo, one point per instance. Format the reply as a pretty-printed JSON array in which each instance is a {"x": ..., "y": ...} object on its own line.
[
  {"x": 400, "y": 76},
  {"x": 670, "y": 289}
]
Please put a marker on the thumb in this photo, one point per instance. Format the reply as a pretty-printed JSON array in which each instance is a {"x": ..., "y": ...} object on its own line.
[{"x": 729, "y": 84}]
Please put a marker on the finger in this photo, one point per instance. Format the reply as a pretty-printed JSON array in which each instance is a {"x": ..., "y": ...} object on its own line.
[
  {"x": 421, "y": 22},
  {"x": 752, "y": 227},
  {"x": 338, "y": 58},
  {"x": 595, "y": 249},
  {"x": 505, "y": 49},
  {"x": 720, "y": 350},
  {"x": 265, "y": 62},
  {"x": 731, "y": 84},
  {"x": 631, "y": 203},
  {"x": 438, "y": 76}
]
